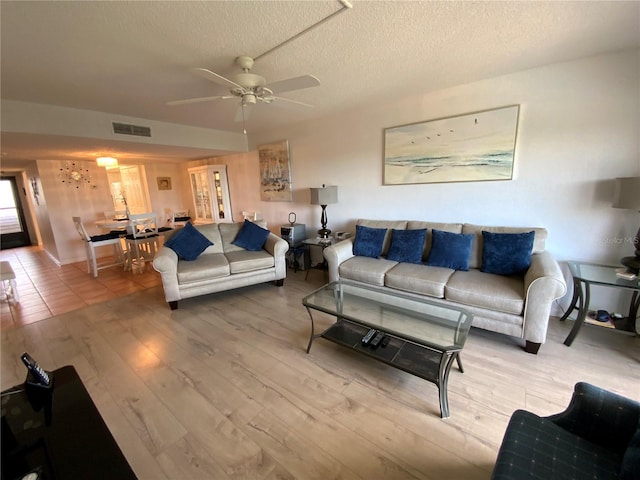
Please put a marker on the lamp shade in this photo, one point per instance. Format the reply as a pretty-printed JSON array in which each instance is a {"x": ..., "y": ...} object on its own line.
[
  {"x": 107, "y": 162},
  {"x": 627, "y": 193},
  {"x": 324, "y": 195}
]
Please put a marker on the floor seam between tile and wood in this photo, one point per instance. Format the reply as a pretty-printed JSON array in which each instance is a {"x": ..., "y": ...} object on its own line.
[{"x": 46, "y": 289}]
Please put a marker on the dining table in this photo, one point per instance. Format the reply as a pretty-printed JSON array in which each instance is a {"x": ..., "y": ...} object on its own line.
[{"x": 113, "y": 224}]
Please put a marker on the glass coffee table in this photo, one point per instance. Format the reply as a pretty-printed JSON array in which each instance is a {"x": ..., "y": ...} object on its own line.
[
  {"x": 423, "y": 337},
  {"x": 587, "y": 274}
]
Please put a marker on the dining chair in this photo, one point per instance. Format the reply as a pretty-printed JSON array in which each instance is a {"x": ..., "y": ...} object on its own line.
[
  {"x": 141, "y": 239},
  {"x": 166, "y": 220},
  {"x": 251, "y": 215},
  {"x": 117, "y": 215},
  {"x": 91, "y": 242},
  {"x": 179, "y": 218}
]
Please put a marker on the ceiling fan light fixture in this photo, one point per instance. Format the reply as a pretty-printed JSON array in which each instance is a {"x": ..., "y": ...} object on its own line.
[
  {"x": 107, "y": 161},
  {"x": 249, "y": 99}
]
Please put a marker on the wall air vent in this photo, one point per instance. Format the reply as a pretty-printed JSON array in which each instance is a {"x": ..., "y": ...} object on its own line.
[{"x": 126, "y": 129}]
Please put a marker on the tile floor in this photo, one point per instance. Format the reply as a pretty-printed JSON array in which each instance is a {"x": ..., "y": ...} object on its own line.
[{"x": 46, "y": 289}]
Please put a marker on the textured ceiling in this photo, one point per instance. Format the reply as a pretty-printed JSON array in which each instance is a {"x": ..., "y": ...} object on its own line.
[{"x": 130, "y": 58}]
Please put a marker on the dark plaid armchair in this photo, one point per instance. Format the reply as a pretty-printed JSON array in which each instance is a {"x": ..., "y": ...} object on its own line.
[{"x": 596, "y": 437}]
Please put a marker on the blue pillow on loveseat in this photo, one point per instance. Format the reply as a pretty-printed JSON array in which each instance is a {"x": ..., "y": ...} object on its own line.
[
  {"x": 251, "y": 236},
  {"x": 506, "y": 253},
  {"x": 188, "y": 243}
]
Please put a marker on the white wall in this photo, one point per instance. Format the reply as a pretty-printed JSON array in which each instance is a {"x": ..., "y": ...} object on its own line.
[
  {"x": 178, "y": 197},
  {"x": 578, "y": 129}
]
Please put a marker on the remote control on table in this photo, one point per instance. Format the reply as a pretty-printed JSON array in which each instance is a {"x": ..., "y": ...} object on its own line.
[
  {"x": 367, "y": 338},
  {"x": 376, "y": 340},
  {"x": 385, "y": 341}
]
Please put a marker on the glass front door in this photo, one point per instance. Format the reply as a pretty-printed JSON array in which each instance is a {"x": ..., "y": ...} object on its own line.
[{"x": 13, "y": 229}]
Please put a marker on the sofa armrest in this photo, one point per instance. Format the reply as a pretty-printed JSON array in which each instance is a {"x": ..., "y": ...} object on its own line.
[
  {"x": 335, "y": 255},
  {"x": 601, "y": 417},
  {"x": 543, "y": 283},
  {"x": 278, "y": 247},
  {"x": 166, "y": 262}
]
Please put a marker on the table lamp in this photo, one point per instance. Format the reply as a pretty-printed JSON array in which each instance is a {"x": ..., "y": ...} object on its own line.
[
  {"x": 627, "y": 195},
  {"x": 324, "y": 196}
]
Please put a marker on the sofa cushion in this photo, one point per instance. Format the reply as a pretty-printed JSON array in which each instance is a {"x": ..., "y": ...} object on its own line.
[
  {"x": 486, "y": 290},
  {"x": 188, "y": 243},
  {"x": 251, "y": 237},
  {"x": 388, "y": 224},
  {"x": 418, "y": 279},
  {"x": 247, "y": 260},
  {"x": 535, "y": 447},
  {"x": 540, "y": 238},
  {"x": 506, "y": 253},
  {"x": 366, "y": 269},
  {"x": 212, "y": 232},
  {"x": 207, "y": 267},
  {"x": 407, "y": 245},
  {"x": 450, "y": 250},
  {"x": 369, "y": 241},
  {"x": 630, "y": 469}
]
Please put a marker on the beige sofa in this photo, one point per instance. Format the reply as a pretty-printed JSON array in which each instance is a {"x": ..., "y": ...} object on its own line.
[
  {"x": 514, "y": 305},
  {"x": 222, "y": 266}
]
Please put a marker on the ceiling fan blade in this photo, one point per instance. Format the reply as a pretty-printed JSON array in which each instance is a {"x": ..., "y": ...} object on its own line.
[
  {"x": 215, "y": 78},
  {"x": 247, "y": 108},
  {"x": 278, "y": 99},
  {"x": 199, "y": 99},
  {"x": 296, "y": 83}
]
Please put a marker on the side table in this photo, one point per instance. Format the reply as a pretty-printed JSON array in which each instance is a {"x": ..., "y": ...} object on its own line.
[
  {"x": 584, "y": 276},
  {"x": 321, "y": 243}
]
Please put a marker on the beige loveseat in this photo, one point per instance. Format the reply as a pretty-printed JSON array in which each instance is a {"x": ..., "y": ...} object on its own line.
[
  {"x": 517, "y": 305},
  {"x": 222, "y": 266}
]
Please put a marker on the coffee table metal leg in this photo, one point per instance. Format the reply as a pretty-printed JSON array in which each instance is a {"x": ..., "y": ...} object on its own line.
[
  {"x": 459, "y": 363},
  {"x": 312, "y": 331},
  {"x": 443, "y": 376}
]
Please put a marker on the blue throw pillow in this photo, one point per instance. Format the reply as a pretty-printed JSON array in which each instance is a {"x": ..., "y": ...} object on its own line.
[
  {"x": 407, "y": 245},
  {"x": 251, "y": 236},
  {"x": 188, "y": 243},
  {"x": 450, "y": 250},
  {"x": 506, "y": 253},
  {"x": 369, "y": 241}
]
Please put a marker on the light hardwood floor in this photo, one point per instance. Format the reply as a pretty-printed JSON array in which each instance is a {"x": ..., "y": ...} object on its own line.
[{"x": 222, "y": 388}]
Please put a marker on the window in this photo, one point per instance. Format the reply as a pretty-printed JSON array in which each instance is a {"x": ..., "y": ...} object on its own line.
[{"x": 129, "y": 189}]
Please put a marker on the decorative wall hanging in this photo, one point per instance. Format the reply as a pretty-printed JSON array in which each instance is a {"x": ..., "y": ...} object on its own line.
[
  {"x": 35, "y": 189},
  {"x": 164, "y": 183},
  {"x": 275, "y": 172},
  {"x": 74, "y": 176},
  {"x": 473, "y": 147}
]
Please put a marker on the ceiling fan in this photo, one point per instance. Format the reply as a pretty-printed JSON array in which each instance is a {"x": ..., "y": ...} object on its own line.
[{"x": 250, "y": 88}]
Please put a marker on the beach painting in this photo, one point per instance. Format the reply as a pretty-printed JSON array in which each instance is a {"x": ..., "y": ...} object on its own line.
[
  {"x": 275, "y": 172},
  {"x": 473, "y": 147}
]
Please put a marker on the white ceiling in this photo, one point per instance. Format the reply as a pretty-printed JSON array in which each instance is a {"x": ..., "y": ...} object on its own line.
[{"x": 130, "y": 58}]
